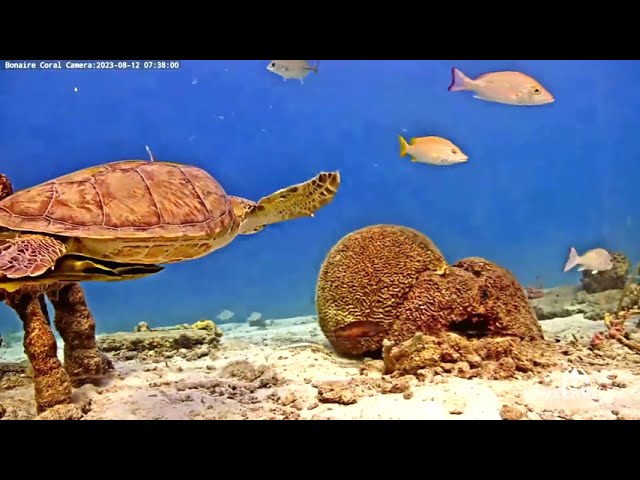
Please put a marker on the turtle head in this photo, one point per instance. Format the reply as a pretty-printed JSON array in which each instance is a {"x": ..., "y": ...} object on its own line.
[
  {"x": 296, "y": 201},
  {"x": 6, "y": 188}
]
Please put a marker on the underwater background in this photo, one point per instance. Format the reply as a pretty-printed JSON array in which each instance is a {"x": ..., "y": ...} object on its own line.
[{"x": 539, "y": 179}]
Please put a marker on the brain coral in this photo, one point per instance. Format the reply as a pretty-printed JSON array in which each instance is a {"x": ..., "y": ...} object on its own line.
[
  {"x": 502, "y": 302},
  {"x": 364, "y": 280},
  {"x": 476, "y": 298},
  {"x": 388, "y": 282}
]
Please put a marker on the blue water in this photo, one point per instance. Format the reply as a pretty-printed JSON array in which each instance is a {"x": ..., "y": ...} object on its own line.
[{"x": 539, "y": 179}]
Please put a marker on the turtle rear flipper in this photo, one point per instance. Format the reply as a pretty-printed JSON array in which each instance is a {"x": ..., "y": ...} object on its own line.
[
  {"x": 71, "y": 268},
  {"x": 81, "y": 269},
  {"x": 29, "y": 255},
  {"x": 296, "y": 201}
]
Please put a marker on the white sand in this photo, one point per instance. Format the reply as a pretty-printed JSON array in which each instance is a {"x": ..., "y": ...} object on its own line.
[{"x": 276, "y": 378}]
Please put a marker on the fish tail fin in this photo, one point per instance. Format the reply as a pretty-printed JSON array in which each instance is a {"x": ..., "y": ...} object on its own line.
[
  {"x": 459, "y": 81},
  {"x": 315, "y": 68},
  {"x": 572, "y": 261},
  {"x": 403, "y": 146}
]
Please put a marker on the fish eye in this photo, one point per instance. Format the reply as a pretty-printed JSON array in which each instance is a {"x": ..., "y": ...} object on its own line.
[
  {"x": 536, "y": 90},
  {"x": 273, "y": 64},
  {"x": 454, "y": 151}
]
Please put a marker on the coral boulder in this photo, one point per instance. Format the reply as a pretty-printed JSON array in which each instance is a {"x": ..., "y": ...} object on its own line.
[
  {"x": 364, "y": 282},
  {"x": 501, "y": 303},
  {"x": 475, "y": 298},
  {"x": 389, "y": 283}
]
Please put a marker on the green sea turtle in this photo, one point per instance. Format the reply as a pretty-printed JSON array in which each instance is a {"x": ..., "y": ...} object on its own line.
[{"x": 129, "y": 216}]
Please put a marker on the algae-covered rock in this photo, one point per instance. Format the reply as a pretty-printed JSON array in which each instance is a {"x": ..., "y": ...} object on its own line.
[
  {"x": 566, "y": 301},
  {"x": 14, "y": 375},
  {"x": 186, "y": 343},
  {"x": 595, "y": 305},
  {"x": 142, "y": 327},
  {"x": 207, "y": 325},
  {"x": 557, "y": 302},
  {"x": 256, "y": 320},
  {"x": 613, "y": 279}
]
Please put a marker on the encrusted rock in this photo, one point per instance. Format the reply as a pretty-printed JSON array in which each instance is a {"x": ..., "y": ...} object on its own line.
[
  {"x": 613, "y": 279},
  {"x": 192, "y": 343}
]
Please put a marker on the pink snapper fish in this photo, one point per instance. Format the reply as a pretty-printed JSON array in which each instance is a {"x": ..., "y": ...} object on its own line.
[{"x": 511, "y": 88}]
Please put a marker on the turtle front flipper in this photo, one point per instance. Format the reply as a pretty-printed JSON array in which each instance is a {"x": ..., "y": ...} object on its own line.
[
  {"x": 296, "y": 201},
  {"x": 29, "y": 255}
]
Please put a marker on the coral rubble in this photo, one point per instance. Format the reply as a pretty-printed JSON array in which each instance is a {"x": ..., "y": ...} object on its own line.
[{"x": 487, "y": 357}]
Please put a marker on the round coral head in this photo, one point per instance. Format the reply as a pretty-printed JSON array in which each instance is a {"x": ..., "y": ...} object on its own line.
[{"x": 364, "y": 281}]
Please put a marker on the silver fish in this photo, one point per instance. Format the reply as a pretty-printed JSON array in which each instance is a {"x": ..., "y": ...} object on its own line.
[
  {"x": 151, "y": 157},
  {"x": 225, "y": 315},
  {"x": 596, "y": 260},
  {"x": 297, "y": 69}
]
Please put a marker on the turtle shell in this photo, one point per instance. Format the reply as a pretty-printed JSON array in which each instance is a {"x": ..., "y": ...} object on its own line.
[{"x": 125, "y": 199}]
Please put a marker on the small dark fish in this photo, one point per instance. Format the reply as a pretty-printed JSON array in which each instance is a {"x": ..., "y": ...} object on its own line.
[{"x": 359, "y": 329}]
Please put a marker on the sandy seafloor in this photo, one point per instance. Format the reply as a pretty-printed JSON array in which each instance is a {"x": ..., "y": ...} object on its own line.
[{"x": 289, "y": 371}]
